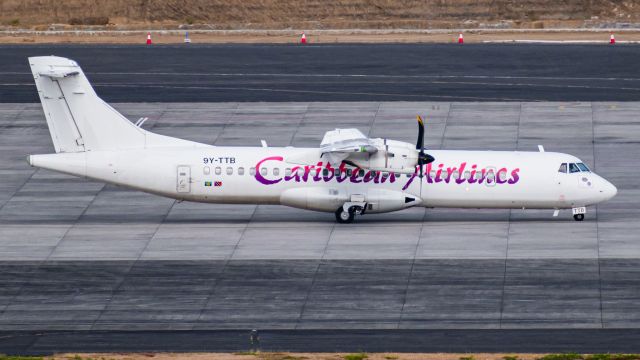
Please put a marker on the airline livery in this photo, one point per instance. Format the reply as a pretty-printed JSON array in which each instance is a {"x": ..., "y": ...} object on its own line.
[{"x": 349, "y": 174}]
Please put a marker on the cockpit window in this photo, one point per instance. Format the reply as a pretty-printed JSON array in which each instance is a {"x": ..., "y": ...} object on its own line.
[
  {"x": 573, "y": 168},
  {"x": 563, "y": 168},
  {"x": 583, "y": 167}
]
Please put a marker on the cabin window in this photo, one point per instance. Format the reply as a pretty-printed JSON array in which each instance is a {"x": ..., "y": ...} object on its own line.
[
  {"x": 276, "y": 171},
  {"x": 206, "y": 170},
  {"x": 240, "y": 171},
  {"x": 563, "y": 168},
  {"x": 573, "y": 168},
  {"x": 287, "y": 171},
  {"x": 252, "y": 171},
  {"x": 502, "y": 176},
  {"x": 491, "y": 177},
  {"x": 361, "y": 172},
  {"x": 397, "y": 175},
  {"x": 583, "y": 167},
  {"x": 432, "y": 173},
  {"x": 349, "y": 171},
  {"x": 467, "y": 175},
  {"x": 325, "y": 172},
  {"x": 478, "y": 175},
  {"x": 385, "y": 175},
  {"x": 229, "y": 170},
  {"x": 455, "y": 175},
  {"x": 263, "y": 171},
  {"x": 218, "y": 170},
  {"x": 409, "y": 175}
]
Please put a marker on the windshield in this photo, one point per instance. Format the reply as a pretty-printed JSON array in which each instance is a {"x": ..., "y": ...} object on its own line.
[
  {"x": 583, "y": 167},
  {"x": 573, "y": 168}
]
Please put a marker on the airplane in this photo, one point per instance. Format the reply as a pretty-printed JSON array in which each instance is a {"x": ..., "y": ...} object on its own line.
[{"x": 349, "y": 174}]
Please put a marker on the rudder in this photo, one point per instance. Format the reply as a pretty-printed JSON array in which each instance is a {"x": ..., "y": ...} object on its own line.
[{"x": 78, "y": 119}]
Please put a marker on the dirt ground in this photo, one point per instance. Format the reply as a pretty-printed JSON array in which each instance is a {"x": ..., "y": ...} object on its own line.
[
  {"x": 284, "y": 356},
  {"x": 312, "y": 37}
]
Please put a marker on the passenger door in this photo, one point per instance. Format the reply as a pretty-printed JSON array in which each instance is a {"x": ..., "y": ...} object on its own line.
[{"x": 184, "y": 179}]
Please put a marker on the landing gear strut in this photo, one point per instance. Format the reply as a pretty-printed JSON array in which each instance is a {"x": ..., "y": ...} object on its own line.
[
  {"x": 345, "y": 217},
  {"x": 578, "y": 213}
]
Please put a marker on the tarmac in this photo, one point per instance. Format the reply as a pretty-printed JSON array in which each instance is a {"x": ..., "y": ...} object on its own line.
[
  {"x": 343, "y": 72},
  {"x": 89, "y": 267}
]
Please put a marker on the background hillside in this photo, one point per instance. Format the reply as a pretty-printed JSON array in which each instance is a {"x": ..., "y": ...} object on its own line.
[{"x": 319, "y": 14}]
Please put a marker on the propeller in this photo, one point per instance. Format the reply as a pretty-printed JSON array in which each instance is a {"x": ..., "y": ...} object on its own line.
[{"x": 423, "y": 158}]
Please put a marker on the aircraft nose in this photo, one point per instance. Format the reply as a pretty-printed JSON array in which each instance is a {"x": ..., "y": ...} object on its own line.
[{"x": 608, "y": 190}]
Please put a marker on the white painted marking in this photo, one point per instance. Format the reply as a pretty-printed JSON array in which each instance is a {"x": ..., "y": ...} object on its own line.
[
  {"x": 540, "y": 148},
  {"x": 349, "y": 75},
  {"x": 264, "y": 143}
]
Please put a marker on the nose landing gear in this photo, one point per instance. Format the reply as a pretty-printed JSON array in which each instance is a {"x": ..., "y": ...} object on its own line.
[{"x": 578, "y": 213}]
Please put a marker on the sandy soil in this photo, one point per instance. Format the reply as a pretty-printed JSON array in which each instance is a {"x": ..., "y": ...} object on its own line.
[
  {"x": 312, "y": 37},
  {"x": 284, "y": 356}
]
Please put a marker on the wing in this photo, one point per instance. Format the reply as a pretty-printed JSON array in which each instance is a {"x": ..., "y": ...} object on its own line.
[{"x": 339, "y": 144}]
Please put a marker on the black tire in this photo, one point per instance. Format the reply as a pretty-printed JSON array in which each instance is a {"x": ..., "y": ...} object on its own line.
[
  {"x": 578, "y": 217},
  {"x": 343, "y": 217}
]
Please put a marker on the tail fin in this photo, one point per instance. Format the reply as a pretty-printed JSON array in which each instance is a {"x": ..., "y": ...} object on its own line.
[{"x": 77, "y": 118}]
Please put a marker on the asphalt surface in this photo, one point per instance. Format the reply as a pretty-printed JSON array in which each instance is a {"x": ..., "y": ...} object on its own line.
[
  {"x": 89, "y": 267},
  {"x": 356, "y": 72},
  {"x": 440, "y": 341}
]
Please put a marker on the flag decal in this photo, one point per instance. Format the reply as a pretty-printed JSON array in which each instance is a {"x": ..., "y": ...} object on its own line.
[{"x": 207, "y": 183}]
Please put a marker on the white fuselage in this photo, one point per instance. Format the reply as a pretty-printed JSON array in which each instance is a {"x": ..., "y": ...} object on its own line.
[
  {"x": 225, "y": 175},
  {"x": 348, "y": 174}
]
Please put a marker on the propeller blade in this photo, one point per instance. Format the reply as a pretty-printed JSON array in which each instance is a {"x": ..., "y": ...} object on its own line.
[{"x": 420, "y": 143}]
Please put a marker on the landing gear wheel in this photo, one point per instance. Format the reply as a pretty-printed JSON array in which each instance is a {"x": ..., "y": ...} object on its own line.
[
  {"x": 578, "y": 217},
  {"x": 345, "y": 217}
]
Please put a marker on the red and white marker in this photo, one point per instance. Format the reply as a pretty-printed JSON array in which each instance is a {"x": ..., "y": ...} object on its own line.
[
  {"x": 148, "y": 38},
  {"x": 303, "y": 39},
  {"x": 612, "y": 39},
  {"x": 460, "y": 39}
]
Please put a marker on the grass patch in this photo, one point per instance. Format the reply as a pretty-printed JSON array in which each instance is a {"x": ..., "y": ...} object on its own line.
[
  {"x": 567, "y": 356},
  {"x": 245, "y": 353},
  {"x": 510, "y": 357},
  {"x": 470, "y": 357},
  {"x": 5, "y": 357},
  {"x": 613, "y": 357},
  {"x": 391, "y": 357},
  {"x": 357, "y": 356}
]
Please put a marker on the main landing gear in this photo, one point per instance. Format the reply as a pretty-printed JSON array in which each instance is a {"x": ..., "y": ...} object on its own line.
[
  {"x": 347, "y": 216},
  {"x": 578, "y": 217}
]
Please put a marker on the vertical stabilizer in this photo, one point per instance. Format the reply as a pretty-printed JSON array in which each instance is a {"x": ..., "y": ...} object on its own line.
[{"x": 77, "y": 118}]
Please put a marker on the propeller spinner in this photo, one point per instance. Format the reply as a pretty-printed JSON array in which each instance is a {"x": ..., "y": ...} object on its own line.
[{"x": 423, "y": 158}]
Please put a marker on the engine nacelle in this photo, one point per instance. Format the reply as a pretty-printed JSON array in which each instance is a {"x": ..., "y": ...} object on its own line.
[{"x": 392, "y": 156}]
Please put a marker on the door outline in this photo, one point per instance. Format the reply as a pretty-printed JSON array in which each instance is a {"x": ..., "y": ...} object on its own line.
[{"x": 183, "y": 179}]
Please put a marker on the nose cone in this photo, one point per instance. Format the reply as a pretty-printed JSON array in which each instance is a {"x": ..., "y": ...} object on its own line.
[{"x": 609, "y": 190}]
